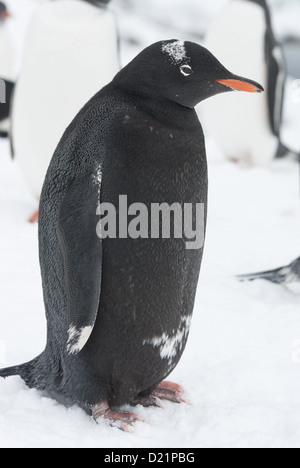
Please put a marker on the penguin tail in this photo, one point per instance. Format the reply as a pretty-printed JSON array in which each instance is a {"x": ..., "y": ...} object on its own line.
[
  {"x": 285, "y": 152},
  {"x": 287, "y": 274},
  {"x": 25, "y": 371},
  {"x": 10, "y": 371},
  {"x": 3, "y": 134}
]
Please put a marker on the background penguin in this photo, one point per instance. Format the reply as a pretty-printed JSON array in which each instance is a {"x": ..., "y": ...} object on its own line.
[
  {"x": 286, "y": 274},
  {"x": 8, "y": 87},
  {"x": 243, "y": 38},
  {"x": 119, "y": 309},
  {"x": 6, "y": 68},
  {"x": 71, "y": 49}
]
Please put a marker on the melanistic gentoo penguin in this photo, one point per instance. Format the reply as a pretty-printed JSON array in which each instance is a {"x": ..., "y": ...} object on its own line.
[{"x": 119, "y": 308}]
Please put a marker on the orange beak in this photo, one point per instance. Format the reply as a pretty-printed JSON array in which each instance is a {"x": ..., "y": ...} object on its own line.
[
  {"x": 5, "y": 14},
  {"x": 242, "y": 85}
]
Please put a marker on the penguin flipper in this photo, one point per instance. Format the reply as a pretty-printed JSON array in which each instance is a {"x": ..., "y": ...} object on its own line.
[
  {"x": 276, "y": 81},
  {"x": 287, "y": 274},
  {"x": 82, "y": 253}
]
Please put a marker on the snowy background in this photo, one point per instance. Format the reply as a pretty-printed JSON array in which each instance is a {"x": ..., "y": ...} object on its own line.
[{"x": 241, "y": 368}]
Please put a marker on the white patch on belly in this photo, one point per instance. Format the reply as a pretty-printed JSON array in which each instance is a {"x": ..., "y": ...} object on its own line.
[
  {"x": 175, "y": 50},
  {"x": 170, "y": 345},
  {"x": 78, "y": 338}
]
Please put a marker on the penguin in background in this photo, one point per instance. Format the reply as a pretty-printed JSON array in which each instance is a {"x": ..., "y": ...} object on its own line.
[
  {"x": 243, "y": 38},
  {"x": 7, "y": 88},
  {"x": 70, "y": 51},
  {"x": 6, "y": 46},
  {"x": 283, "y": 275},
  {"x": 119, "y": 307},
  {"x": 6, "y": 69}
]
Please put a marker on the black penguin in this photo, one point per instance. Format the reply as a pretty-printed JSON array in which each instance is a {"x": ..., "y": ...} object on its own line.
[
  {"x": 283, "y": 275},
  {"x": 119, "y": 309}
]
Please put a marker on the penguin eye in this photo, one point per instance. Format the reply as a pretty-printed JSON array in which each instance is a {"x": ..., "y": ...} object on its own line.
[{"x": 186, "y": 70}]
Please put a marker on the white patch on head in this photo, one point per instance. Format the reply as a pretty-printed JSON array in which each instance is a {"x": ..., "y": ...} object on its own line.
[
  {"x": 175, "y": 50},
  {"x": 97, "y": 180},
  {"x": 78, "y": 338},
  {"x": 170, "y": 345}
]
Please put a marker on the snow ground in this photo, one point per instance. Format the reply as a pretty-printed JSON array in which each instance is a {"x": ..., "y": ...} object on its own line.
[{"x": 241, "y": 366}]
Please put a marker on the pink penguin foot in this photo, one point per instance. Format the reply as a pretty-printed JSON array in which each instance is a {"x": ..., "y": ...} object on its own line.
[
  {"x": 164, "y": 391},
  {"x": 34, "y": 217},
  {"x": 122, "y": 420}
]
